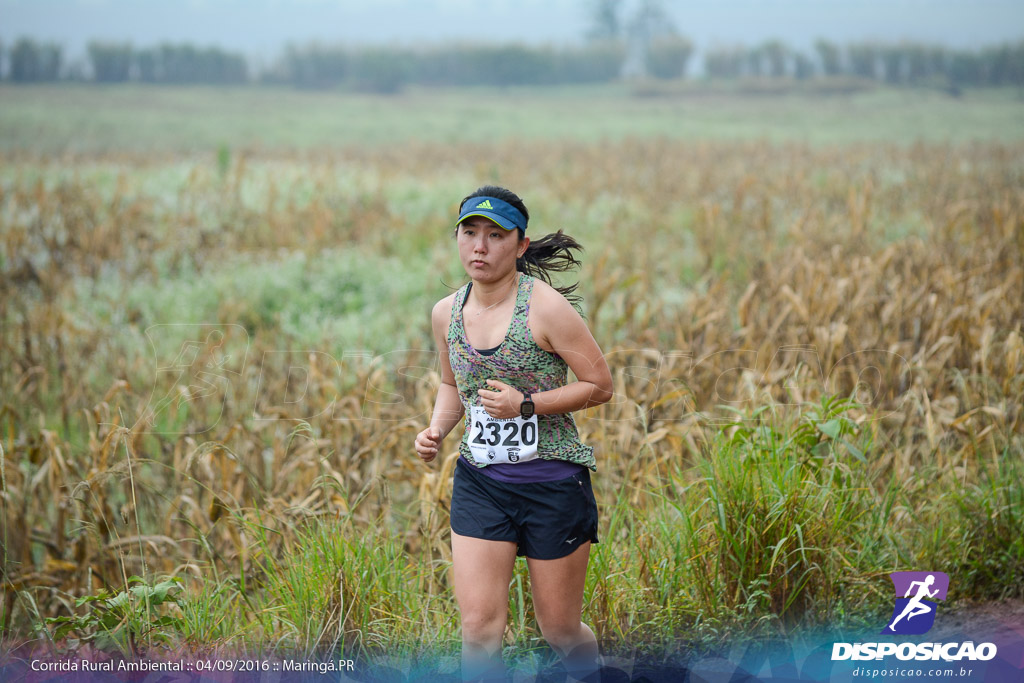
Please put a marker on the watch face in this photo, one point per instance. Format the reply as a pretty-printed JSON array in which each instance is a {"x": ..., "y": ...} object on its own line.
[{"x": 526, "y": 409}]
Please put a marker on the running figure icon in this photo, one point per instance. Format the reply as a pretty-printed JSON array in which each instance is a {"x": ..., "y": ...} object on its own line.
[{"x": 915, "y": 607}]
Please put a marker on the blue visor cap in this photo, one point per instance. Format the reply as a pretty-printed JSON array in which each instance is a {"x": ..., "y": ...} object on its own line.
[{"x": 499, "y": 211}]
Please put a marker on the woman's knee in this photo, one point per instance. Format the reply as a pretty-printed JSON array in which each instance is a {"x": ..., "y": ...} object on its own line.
[
  {"x": 560, "y": 632},
  {"x": 482, "y": 627}
]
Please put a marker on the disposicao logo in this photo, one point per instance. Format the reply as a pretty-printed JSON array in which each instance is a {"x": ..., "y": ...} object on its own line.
[{"x": 914, "y": 614}]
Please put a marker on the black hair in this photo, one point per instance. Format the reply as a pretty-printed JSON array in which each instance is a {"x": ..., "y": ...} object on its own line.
[{"x": 551, "y": 253}]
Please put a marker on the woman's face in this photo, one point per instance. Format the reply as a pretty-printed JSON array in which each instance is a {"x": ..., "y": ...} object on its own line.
[{"x": 487, "y": 250}]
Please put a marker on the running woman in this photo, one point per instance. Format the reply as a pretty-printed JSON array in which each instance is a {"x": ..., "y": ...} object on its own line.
[{"x": 522, "y": 481}]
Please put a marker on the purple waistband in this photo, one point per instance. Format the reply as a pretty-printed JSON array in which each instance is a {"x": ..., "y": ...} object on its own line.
[{"x": 529, "y": 472}]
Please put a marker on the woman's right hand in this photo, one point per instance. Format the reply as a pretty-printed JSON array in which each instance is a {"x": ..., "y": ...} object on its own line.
[{"x": 427, "y": 443}]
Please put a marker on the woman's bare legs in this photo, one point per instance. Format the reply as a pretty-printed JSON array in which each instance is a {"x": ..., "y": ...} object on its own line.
[
  {"x": 557, "y": 587},
  {"x": 482, "y": 572}
]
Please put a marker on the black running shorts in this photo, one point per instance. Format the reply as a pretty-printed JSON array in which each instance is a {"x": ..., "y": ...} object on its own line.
[{"x": 546, "y": 519}]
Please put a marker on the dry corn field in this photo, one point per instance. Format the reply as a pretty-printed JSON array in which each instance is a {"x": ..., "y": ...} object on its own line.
[{"x": 215, "y": 370}]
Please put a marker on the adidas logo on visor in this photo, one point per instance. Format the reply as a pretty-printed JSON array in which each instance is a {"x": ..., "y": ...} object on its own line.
[{"x": 485, "y": 204}]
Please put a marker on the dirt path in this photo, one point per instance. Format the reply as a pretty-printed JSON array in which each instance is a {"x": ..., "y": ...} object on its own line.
[{"x": 981, "y": 619}]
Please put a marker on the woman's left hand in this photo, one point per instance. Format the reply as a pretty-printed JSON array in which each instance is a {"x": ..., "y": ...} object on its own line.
[{"x": 500, "y": 401}]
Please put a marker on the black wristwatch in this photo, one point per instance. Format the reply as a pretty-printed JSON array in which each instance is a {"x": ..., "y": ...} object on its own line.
[{"x": 526, "y": 408}]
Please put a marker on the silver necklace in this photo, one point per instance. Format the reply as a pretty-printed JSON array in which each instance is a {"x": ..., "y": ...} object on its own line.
[{"x": 484, "y": 310}]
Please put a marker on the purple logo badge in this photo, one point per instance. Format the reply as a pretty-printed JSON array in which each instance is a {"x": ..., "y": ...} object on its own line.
[{"x": 914, "y": 613}]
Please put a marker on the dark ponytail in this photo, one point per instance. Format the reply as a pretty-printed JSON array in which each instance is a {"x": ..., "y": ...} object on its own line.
[{"x": 551, "y": 253}]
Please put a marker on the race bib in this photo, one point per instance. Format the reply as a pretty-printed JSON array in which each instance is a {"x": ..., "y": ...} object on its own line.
[{"x": 501, "y": 441}]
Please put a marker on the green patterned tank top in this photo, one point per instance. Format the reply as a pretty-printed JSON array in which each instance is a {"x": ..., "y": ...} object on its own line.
[{"x": 521, "y": 363}]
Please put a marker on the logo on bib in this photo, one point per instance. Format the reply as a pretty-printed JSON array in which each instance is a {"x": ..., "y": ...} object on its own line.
[{"x": 513, "y": 455}]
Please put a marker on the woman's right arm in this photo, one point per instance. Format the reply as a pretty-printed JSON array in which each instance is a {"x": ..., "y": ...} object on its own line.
[{"x": 448, "y": 408}]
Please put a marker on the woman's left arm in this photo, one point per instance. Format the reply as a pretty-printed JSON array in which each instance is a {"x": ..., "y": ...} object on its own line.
[{"x": 558, "y": 327}]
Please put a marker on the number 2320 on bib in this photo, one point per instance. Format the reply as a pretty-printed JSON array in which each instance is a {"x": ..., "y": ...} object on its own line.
[{"x": 501, "y": 441}]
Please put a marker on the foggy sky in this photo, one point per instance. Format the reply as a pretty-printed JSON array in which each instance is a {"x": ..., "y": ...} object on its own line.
[{"x": 261, "y": 28}]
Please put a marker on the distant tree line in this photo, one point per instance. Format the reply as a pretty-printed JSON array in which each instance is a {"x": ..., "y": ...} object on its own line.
[
  {"x": 903, "y": 63},
  {"x": 29, "y": 61},
  {"x": 388, "y": 69},
  {"x": 646, "y": 46}
]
